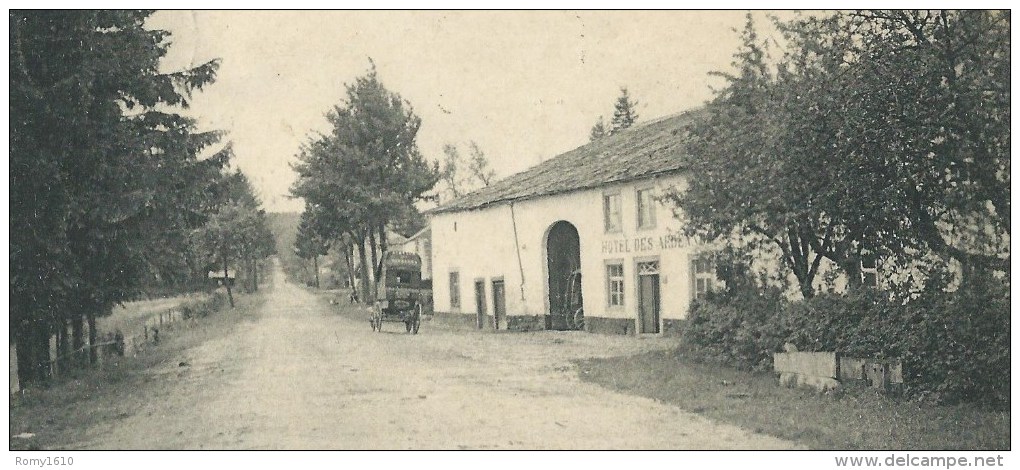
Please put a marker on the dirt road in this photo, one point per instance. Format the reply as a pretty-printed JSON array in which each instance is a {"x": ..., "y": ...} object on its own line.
[{"x": 302, "y": 374}]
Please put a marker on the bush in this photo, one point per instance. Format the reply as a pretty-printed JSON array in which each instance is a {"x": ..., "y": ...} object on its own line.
[
  {"x": 742, "y": 330},
  {"x": 954, "y": 346},
  {"x": 863, "y": 323},
  {"x": 959, "y": 350},
  {"x": 202, "y": 307}
]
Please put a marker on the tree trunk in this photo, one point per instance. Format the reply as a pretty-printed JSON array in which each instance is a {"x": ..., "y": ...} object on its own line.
[
  {"x": 255, "y": 274},
  {"x": 33, "y": 348},
  {"x": 93, "y": 337},
  {"x": 315, "y": 264},
  {"x": 251, "y": 275},
  {"x": 383, "y": 248},
  {"x": 78, "y": 341},
  {"x": 366, "y": 289},
  {"x": 226, "y": 279},
  {"x": 373, "y": 263},
  {"x": 349, "y": 259},
  {"x": 381, "y": 230},
  {"x": 806, "y": 289},
  {"x": 63, "y": 346}
]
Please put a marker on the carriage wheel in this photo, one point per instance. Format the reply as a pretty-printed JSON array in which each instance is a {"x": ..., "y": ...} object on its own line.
[{"x": 579, "y": 319}]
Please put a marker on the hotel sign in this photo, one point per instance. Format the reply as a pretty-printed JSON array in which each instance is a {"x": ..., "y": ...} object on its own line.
[{"x": 644, "y": 244}]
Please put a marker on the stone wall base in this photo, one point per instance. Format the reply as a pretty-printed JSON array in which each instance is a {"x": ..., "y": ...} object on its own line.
[
  {"x": 599, "y": 325},
  {"x": 672, "y": 327},
  {"x": 610, "y": 326},
  {"x": 525, "y": 322},
  {"x": 456, "y": 318}
]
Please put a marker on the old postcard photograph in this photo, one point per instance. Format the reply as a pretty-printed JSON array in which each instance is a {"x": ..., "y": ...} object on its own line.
[{"x": 690, "y": 230}]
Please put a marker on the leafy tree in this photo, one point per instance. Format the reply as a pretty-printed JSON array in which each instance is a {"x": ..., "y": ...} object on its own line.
[
  {"x": 459, "y": 176},
  {"x": 451, "y": 174},
  {"x": 101, "y": 163},
  {"x": 851, "y": 143},
  {"x": 478, "y": 165},
  {"x": 309, "y": 244},
  {"x": 237, "y": 233},
  {"x": 739, "y": 193},
  {"x": 220, "y": 237},
  {"x": 258, "y": 245},
  {"x": 365, "y": 172},
  {"x": 927, "y": 114},
  {"x": 900, "y": 119}
]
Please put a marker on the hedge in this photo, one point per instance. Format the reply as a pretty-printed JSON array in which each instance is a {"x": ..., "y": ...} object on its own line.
[{"x": 954, "y": 346}]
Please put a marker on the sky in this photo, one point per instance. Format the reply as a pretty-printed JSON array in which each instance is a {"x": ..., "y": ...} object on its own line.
[{"x": 526, "y": 86}]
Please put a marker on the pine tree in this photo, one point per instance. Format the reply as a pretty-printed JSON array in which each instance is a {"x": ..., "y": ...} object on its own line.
[
  {"x": 625, "y": 112},
  {"x": 104, "y": 172},
  {"x": 624, "y": 116},
  {"x": 598, "y": 131}
]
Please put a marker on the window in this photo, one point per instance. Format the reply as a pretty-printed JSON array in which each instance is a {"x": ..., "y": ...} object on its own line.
[
  {"x": 648, "y": 268},
  {"x": 401, "y": 278},
  {"x": 454, "y": 290},
  {"x": 611, "y": 210},
  {"x": 614, "y": 280},
  {"x": 869, "y": 270},
  {"x": 646, "y": 208},
  {"x": 704, "y": 276}
]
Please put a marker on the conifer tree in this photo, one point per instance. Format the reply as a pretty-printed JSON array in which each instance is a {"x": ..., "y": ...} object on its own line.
[
  {"x": 624, "y": 112},
  {"x": 104, "y": 174}
]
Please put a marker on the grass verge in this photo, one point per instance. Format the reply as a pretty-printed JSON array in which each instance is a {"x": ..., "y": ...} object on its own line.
[
  {"x": 59, "y": 415},
  {"x": 846, "y": 420}
]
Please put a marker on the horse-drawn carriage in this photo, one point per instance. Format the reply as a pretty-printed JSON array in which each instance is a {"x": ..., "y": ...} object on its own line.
[{"x": 402, "y": 295}]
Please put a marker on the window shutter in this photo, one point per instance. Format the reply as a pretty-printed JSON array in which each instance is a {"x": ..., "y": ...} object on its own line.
[{"x": 652, "y": 210}]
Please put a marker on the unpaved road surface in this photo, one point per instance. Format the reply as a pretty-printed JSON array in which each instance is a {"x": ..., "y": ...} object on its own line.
[{"x": 300, "y": 373}]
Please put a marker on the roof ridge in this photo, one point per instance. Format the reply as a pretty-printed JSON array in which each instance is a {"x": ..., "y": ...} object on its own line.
[{"x": 642, "y": 150}]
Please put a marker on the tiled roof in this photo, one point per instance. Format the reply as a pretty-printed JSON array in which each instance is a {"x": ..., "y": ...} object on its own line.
[{"x": 645, "y": 150}]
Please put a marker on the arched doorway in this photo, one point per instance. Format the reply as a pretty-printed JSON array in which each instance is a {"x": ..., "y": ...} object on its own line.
[{"x": 563, "y": 255}]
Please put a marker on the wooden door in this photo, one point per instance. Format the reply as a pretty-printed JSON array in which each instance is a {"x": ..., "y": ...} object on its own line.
[
  {"x": 648, "y": 297},
  {"x": 498, "y": 303},
  {"x": 480, "y": 304}
]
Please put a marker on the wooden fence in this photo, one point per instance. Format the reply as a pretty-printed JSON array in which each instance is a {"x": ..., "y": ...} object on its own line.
[{"x": 116, "y": 343}]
